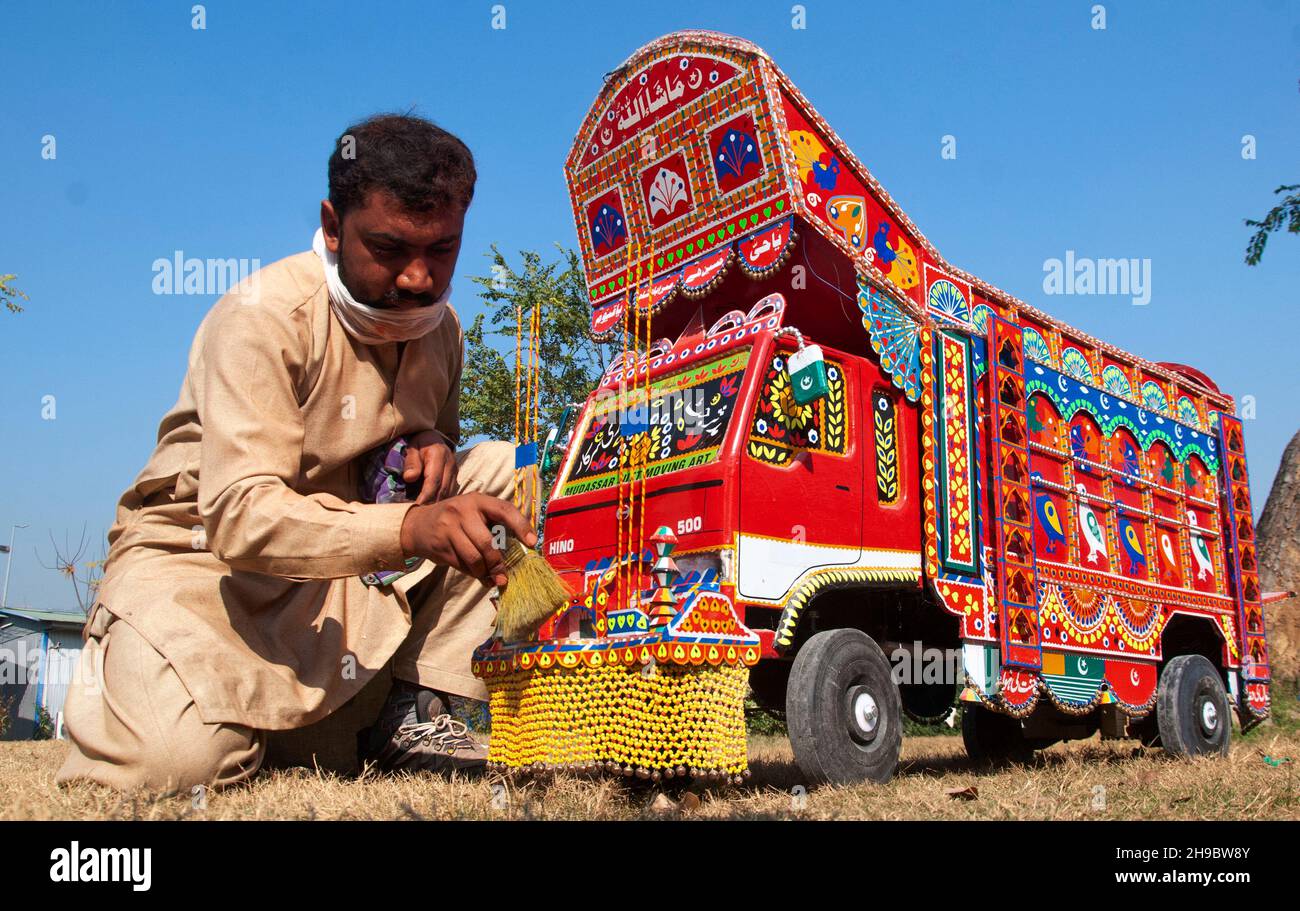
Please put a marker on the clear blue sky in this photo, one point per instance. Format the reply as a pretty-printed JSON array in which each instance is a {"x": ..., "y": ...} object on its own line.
[{"x": 1117, "y": 143}]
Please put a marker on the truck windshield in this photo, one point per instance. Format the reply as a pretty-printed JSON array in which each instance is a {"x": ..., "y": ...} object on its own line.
[{"x": 682, "y": 427}]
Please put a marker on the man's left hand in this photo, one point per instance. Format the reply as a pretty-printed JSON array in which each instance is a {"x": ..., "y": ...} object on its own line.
[{"x": 432, "y": 456}]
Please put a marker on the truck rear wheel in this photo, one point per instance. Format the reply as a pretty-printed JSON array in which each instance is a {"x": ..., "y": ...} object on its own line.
[
  {"x": 843, "y": 709},
  {"x": 1192, "y": 708},
  {"x": 992, "y": 737}
]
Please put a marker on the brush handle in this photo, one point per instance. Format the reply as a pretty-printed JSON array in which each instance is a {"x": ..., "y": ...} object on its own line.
[{"x": 514, "y": 554}]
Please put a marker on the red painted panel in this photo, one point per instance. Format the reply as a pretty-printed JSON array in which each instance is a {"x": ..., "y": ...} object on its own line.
[{"x": 1132, "y": 682}]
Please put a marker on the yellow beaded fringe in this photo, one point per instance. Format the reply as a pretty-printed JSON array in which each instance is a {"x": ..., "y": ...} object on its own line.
[{"x": 676, "y": 720}]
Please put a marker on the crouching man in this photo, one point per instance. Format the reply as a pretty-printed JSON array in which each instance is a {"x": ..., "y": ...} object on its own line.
[{"x": 233, "y": 604}]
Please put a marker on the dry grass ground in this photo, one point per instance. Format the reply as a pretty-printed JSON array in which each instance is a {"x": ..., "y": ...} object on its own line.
[{"x": 1083, "y": 780}]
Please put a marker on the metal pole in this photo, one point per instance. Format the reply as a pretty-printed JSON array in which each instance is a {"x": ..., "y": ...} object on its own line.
[{"x": 9, "y": 559}]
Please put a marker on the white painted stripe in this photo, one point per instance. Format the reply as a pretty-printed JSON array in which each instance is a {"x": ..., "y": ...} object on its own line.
[{"x": 768, "y": 569}]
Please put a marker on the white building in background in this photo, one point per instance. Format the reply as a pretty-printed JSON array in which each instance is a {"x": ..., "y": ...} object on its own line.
[{"x": 39, "y": 656}]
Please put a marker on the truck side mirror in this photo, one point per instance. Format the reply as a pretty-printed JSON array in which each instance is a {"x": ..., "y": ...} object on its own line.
[{"x": 555, "y": 434}]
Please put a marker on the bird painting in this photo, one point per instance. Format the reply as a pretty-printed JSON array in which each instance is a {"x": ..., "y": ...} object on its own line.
[
  {"x": 1036, "y": 422},
  {"x": 1131, "y": 541},
  {"x": 880, "y": 243},
  {"x": 1048, "y": 518},
  {"x": 808, "y": 154},
  {"x": 895, "y": 257},
  {"x": 1200, "y": 551},
  {"x": 1090, "y": 529},
  {"x": 1169, "y": 572},
  {"x": 1080, "y": 441},
  {"x": 1131, "y": 465}
]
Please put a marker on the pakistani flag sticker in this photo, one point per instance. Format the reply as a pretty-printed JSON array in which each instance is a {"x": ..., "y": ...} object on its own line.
[{"x": 807, "y": 374}]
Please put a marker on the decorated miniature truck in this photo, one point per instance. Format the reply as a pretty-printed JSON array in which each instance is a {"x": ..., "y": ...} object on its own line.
[{"x": 826, "y": 449}]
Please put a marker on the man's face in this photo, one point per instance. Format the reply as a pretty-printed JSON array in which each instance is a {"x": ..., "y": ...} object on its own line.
[{"x": 390, "y": 257}]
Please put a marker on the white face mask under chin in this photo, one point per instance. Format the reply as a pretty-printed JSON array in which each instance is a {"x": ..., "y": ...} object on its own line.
[{"x": 371, "y": 325}]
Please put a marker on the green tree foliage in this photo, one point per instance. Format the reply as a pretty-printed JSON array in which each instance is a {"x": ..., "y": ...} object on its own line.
[
  {"x": 1285, "y": 213},
  {"x": 571, "y": 360},
  {"x": 10, "y": 295},
  {"x": 44, "y": 725}
]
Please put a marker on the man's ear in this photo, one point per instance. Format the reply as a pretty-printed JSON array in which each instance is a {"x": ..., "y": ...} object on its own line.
[{"x": 330, "y": 226}]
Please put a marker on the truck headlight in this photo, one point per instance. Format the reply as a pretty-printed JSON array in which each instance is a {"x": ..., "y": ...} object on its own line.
[{"x": 720, "y": 561}]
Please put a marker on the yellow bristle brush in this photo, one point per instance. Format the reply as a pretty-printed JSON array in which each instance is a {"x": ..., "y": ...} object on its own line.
[{"x": 533, "y": 592}]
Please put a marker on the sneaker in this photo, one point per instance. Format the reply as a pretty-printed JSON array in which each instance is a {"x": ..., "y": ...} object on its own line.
[{"x": 416, "y": 732}]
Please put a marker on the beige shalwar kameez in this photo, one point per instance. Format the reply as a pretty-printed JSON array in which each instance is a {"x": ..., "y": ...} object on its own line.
[{"x": 232, "y": 604}]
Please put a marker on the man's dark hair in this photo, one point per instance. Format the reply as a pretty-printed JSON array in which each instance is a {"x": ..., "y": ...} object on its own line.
[{"x": 421, "y": 164}]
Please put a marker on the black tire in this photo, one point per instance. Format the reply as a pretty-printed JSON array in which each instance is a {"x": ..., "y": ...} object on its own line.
[
  {"x": 843, "y": 710},
  {"x": 1192, "y": 708},
  {"x": 995, "y": 738}
]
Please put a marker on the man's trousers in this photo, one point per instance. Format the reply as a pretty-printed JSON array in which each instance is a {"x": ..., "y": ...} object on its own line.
[{"x": 132, "y": 722}]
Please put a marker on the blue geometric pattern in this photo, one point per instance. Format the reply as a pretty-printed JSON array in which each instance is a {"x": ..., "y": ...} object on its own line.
[{"x": 1071, "y": 396}]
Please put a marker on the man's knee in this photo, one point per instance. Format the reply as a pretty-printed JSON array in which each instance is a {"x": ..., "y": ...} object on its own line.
[
  {"x": 133, "y": 725},
  {"x": 215, "y": 756},
  {"x": 211, "y": 759}
]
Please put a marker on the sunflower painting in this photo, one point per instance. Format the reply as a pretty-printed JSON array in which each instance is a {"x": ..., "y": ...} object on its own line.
[{"x": 782, "y": 426}]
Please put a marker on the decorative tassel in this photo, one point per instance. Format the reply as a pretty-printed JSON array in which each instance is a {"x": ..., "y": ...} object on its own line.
[{"x": 533, "y": 593}]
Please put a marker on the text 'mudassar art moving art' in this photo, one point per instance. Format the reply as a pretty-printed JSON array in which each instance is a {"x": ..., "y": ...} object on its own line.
[{"x": 925, "y": 458}]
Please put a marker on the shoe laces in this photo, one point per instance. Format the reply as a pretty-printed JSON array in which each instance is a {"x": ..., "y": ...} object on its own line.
[{"x": 444, "y": 731}]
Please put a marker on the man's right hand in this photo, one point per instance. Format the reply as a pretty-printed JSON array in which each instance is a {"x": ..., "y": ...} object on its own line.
[{"x": 457, "y": 532}]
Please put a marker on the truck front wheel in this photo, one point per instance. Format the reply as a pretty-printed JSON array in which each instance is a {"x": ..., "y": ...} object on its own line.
[
  {"x": 1192, "y": 708},
  {"x": 843, "y": 709}
]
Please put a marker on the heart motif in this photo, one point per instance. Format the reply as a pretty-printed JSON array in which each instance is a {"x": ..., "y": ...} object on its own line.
[
  {"x": 621, "y": 280},
  {"x": 767, "y": 211},
  {"x": 712, "y": 234},
  {"x": 660, "y": 261},
  {"x": 731, "y": 229},
  {"x": 690, "y": 248},
  {"x": 780, "y": 204}
]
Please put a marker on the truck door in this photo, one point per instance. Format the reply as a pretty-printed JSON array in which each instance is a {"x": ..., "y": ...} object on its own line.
[{"x": 801, "y": 482}]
